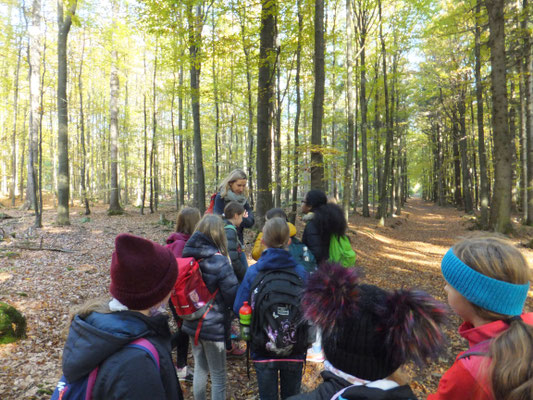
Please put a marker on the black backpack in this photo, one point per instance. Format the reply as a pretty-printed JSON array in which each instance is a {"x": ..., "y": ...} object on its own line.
[{"x": 278, "y": 327}]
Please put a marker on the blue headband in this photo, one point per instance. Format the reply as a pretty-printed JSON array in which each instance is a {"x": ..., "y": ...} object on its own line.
[{"x": 491, "y": 294}]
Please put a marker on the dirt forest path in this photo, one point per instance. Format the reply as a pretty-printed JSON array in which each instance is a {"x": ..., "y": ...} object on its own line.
[{"x": 45, "y": 284}]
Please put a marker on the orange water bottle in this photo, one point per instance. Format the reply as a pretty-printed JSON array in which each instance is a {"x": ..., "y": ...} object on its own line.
[{"x": 245, "y": 319}]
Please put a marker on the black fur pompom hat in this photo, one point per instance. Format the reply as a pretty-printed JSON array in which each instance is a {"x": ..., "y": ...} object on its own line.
[{"x": 369, "y": 332}]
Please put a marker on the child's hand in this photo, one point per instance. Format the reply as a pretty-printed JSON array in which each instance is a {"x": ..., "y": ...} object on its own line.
[{"x": 245, "y": 215}]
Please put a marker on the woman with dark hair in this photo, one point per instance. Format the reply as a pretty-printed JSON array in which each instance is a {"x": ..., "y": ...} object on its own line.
[{"x": 323, "y": 220}]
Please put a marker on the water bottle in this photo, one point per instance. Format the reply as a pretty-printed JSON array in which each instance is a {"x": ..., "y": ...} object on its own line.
[{"x": 245, "y": 319}]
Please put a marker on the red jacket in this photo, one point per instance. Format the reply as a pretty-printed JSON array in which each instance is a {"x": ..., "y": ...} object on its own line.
[{"x": 467, "y": 378}]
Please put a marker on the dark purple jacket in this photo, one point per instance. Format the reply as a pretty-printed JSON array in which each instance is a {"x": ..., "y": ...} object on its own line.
[{"x": 176, "y": 243}]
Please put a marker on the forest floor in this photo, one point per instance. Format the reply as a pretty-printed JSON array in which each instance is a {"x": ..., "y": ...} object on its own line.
[{"x": 71, "y": 265}]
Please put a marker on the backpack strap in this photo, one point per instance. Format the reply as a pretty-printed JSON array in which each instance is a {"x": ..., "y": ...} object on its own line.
[
  {"x": 479, "y": 349},
  {"x": 200, "y": 323},
  {"x": 230, "y": 226},
  {"x": 140, "y": 343}
]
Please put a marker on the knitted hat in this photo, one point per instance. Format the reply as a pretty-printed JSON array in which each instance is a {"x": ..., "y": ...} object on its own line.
[
  {"x": 368, "y": 332},
  {"x": 489, "y": 293},
  {"x": 142, "y": 272}
]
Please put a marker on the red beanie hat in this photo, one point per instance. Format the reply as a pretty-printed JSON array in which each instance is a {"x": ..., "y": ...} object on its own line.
[{"x": 142, "y": 272}]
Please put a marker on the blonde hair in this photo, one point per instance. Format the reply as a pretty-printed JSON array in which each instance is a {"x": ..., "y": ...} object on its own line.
[
  {"x": 233, "y": 176},
  {"x": 511, "y": 368},
  {"x": 187, "y": 219},
  {"x": 276, "y": 233},
  {"x": 212, "y": 226}
]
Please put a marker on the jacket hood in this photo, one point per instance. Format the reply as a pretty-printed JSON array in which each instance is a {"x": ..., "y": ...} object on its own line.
[
  {"x": 177, "y": 236},
  {"x": 199, "y": 246},
  {"x": 93, "y": 339},
  {"x": 273, "y": 258}
]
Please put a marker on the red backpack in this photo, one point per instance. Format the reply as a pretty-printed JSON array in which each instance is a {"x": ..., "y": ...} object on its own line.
[
  {"x": 191, "y": 298},
  {"x": 211, "y": 204}
]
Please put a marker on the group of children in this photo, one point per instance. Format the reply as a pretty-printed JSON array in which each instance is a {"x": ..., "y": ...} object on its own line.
[{"x": 367, "y": 333}]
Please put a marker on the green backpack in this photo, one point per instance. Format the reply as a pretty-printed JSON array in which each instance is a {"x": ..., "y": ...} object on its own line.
[{"x": 340, "y": 250}]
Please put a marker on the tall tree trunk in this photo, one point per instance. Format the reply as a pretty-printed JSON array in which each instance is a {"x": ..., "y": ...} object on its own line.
[
  {"x": 350, "y": 98},
  {"x": 180, "y": 130},
  {"x": 145, "y": 153},
  {"x": 528, "y": 83},
  {"x": 174, "y": 142},
  {"x": 277, "y": 142},
  {"x": 382, "y": 209},
  {"x": 483, "y": 180},
  {"x": 14, "y": 136},
  {"x": 264, "y": 99},
  {"x": 34, "y": 78},
  {"x": 317, "y": 161},
  {"x": 297, "y": 116},
  {"x": 114, "y": 206},
  {"x": 195, "y": 39},
  {"x": 465, "y": 171},
  {"x": 217, "y": 107},
  {"x": 363, "y": 104},
  {"x": 85, "y": 198},
  {"x": 456, "y": 161},
  {"x": 63, "y": 182},
  {"x": 501, "y": 200}
]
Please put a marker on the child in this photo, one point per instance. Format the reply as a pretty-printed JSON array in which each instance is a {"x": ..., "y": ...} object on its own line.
[
  {"x": 209, "y": 247},
  {"x": 142, "y": 277},
  {"x": 323, "y": 221},
  {"x": 487, "y": 281},
  {"x": 267, "y": 364},
  {"x": 368, "y": 334},
  {"x": 187, "y": 219},
  {"x": 233, "y": 214},
  {"x": 272, "y": 213}
]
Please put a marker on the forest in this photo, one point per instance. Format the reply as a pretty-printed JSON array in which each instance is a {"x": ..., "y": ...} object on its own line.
[{"x": 135, "y": 103}]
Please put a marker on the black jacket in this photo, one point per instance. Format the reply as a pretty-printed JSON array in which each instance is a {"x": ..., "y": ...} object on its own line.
[
  {"x": 217, "y": 274},
  {"x": 333, "y": 384},
  {"x": 248, "y": 222},
  {"x": 124, "y": 372},
  {"x": 235, "y": 250},
  {"x": 318, "y": 245}
]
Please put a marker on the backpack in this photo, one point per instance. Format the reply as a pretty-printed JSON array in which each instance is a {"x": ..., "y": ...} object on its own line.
[
  {"x": 83, "y": 388},
  {"x": 303, "y": 256},
  {"x": 278, "y": 327},
  {"x": 340, "y": 250},
  {"x": 211, "y": 204},
  {"x": 190, "y": 296}
]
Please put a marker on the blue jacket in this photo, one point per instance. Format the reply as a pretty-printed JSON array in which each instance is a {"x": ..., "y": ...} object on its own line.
[
  {"x": 248, "y": 222},
  {"x": 270, "y": 259},
  {"x": 217, "y": 273},
  {"x": 124, "y": 372}
]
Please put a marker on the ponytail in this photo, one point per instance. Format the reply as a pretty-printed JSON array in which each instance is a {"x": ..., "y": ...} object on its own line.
[{"x": 511, "y": 371}]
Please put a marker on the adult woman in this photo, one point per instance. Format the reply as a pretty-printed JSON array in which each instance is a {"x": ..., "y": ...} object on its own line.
[
  {"x": 233, "y": 188},
  {"x": 323, "y": 220}
]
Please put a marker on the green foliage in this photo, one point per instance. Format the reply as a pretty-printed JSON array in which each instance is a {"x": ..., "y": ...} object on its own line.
[{"x": 12, "y": 324}]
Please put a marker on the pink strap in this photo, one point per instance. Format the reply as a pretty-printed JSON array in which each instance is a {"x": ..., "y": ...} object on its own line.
[
  {"x": 146, "y": 344},
  {"x": 90, "y": 384}
]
